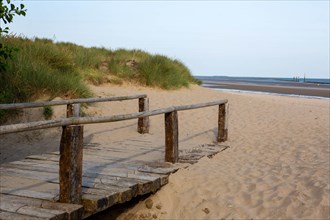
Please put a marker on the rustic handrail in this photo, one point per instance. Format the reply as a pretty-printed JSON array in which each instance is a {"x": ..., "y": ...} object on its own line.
[
  {"x": 100, "y": 119},
  {"x": 69, "y": 101},
  {"x": 71, "y": 146}
]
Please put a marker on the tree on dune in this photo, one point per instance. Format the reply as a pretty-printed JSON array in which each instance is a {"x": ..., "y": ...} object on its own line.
[{"x": 7, "y": 12}]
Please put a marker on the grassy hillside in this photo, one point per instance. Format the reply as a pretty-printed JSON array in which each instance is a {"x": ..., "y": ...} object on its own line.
[{"x": 43, "y": 68}]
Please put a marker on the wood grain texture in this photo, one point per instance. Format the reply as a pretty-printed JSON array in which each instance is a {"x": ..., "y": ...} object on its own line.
[
  {"x": 69, "y": 101},
  {"x": 72, "y": 211},
  {"x": 72, "y": 110},
  {"x": 171, "y": 137},
  {"x": 143, "y": 122},
  {"x": 71, "y": 155},
  {"x": 222, "y": 124},
  {"x": 34, "y": 183},
  {"x": 101, "y": 119}
]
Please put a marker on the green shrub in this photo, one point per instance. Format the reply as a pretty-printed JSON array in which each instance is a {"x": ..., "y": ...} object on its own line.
[
  {"x": 42, "y": 67},
  {"x": 39, "y": 68},
  {"x": 48, "y": 112},
  {"x": 150, "y": 70},
  {"x": 163, "y": 72}
]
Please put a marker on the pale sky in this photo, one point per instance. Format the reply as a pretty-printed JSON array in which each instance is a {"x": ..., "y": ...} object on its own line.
[{"x": 232, "y": 38}]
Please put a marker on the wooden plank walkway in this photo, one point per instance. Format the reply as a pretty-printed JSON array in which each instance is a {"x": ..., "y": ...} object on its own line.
[{"x": 30, "y": 188}]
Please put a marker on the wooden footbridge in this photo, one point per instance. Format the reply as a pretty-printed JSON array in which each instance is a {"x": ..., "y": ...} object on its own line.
[{"x": 81, "y": 180}]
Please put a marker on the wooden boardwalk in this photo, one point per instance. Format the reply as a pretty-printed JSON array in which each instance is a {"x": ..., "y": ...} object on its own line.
[
  {"x": 94, "y": 177},
  {"x": 30, "y": 188}
]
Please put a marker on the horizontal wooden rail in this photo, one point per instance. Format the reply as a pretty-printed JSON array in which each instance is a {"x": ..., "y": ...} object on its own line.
[
  {"x": 101, "y": 119},
  {"x": 71, "y": 146},
  {"x": 69, "y": 101}
]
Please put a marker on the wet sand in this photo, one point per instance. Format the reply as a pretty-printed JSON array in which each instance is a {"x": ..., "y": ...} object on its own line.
[{"x": 303, "y": 89}]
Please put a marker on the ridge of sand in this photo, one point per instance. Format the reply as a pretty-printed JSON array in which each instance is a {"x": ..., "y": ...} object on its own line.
[{"x": 277, "y": 165}]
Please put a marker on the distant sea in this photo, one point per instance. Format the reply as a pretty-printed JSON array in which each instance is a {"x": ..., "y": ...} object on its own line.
[
  {"x": 267, "y": 79},
  {"x": 304, "y": 87}
]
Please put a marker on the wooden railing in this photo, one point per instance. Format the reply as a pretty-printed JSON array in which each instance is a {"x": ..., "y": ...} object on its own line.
[
  {"x": 69, "y": 101},
  {"x": 73, "y": 110},
  {"x": 71, "y": 146}
]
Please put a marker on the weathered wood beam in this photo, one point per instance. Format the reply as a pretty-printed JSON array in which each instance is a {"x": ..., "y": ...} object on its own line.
[
  {"x": 143, "y": 122},
  {"x": 171, "y": 137},
  {"x": 73, "y": 211},
  {"x": 71, "y": 158},
  {"x": 101, "y": 119},
  {"x": 72, "y": 110},
  {"x": 69, "y": 101},
  {"x": 222, "y": 123}
]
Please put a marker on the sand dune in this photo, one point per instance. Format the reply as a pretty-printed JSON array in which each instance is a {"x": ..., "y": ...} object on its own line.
[{"x": 277, "y": 166}]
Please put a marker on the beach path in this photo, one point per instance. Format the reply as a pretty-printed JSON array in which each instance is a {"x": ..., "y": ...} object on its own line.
[
  {"x": 111, "y": 175},
  {"x": 30, "y": 187}
]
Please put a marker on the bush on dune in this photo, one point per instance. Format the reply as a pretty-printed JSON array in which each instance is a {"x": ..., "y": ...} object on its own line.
[
  {"x": 150, "y": 70},
  {"x": 42, "y": 68}
]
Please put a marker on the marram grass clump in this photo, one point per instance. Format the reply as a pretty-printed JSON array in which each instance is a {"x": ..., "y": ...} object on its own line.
[
  {"x": 150, "y": 70},
  {"x": 42, "y": 68},
  {"x": 163, "y": 72}
]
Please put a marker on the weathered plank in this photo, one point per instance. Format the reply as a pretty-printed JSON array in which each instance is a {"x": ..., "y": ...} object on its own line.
[
  {"x": 50, "y": 195},
  {"x": 37, "y": 174},
  {"x": 222, "y": 123},
  {"x": 115, "y": 175},
  {"x": 147, "y": 171},
  {"x": 91, "y": 179},
  {"x": 87, "y": 154},
  {"x": 93, "y": 199},
  {"x": 124, "y": 148},
  {"x": 73, "y": 211},
  {"x": 4, "y": 215},
  {"x": 44, "y": 157},
  {"x": 124, "y": 194},
  {"x": 32, "y": 165},
  {"x": 193, "y": 155},
  {"x": 70, "y": 174},
  {"x": 87, "y": 181},
  {"x": 163, "y": 168},
  {"x": 96, "y": 200},
  {"x": 25, "y": 209},
  {"x": 139, "y": 184},
  {"x": 95, "y": 157},
  {"x": 28, "y": 187},
  {"x": 72, "y": 110},
  {"x": 171, "y": 137},
  {"x": 143, "y": 122}
]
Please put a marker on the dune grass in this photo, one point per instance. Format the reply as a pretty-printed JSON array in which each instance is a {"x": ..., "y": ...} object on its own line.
[{"x": 42, "y": 68}]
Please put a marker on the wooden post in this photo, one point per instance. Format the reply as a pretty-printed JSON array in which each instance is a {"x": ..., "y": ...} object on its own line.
[
  {"x": 72, "y": 110},
  {"x": 222, "y": 124},
  {"x": 171, "y": 137},
  {"x": 143, "y": 123},
  {"x": 71, "y": 155}
]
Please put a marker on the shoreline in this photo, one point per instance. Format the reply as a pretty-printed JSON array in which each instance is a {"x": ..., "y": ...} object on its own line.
[{"x": 300, "y": 90}]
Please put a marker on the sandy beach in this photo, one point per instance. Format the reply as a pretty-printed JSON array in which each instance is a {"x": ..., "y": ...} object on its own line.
[{"x": 277, "y": 166}]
